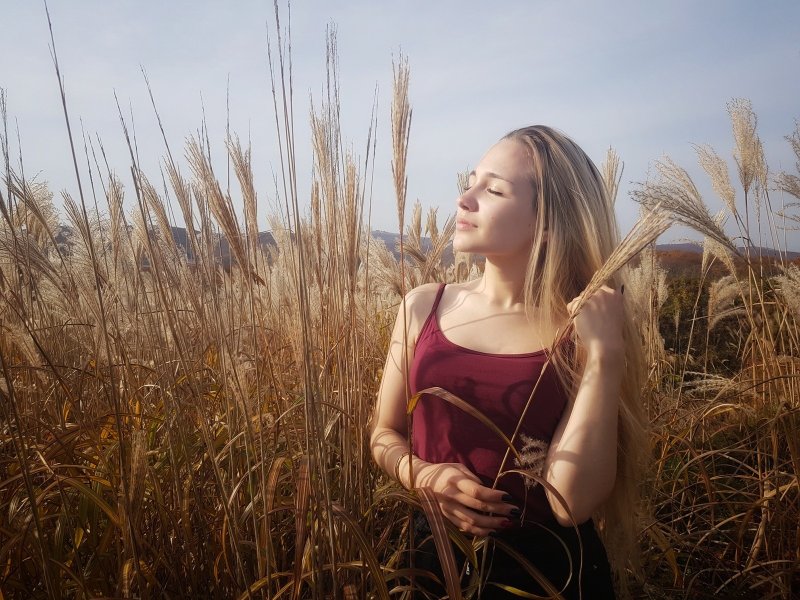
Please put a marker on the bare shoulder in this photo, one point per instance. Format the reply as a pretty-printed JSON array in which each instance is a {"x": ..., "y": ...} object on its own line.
[
  {"x": 422, "y": 294},
  {"x": 419, "y": 301},
  {"x": 418, "y": 304}
]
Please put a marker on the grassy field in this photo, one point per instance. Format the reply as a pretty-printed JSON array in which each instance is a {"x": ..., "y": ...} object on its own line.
[{"x": 173, "y": 428}]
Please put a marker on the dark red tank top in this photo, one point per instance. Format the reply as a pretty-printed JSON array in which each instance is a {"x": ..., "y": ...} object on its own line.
[{"x": 498, "y": 385}]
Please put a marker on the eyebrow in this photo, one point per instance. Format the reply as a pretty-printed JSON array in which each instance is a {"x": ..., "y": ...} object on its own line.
[{"x": 491, "y": 175}]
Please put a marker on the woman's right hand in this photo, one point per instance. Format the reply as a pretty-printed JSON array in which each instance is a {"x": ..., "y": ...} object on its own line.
[{"x": 463, "y": 500}]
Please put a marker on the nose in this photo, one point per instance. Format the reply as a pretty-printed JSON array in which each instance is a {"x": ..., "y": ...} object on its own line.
[{"x": 466, "y": 201}]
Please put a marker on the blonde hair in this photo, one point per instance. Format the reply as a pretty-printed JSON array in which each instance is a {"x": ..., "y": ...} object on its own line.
[{"x": 575, "y": 233}]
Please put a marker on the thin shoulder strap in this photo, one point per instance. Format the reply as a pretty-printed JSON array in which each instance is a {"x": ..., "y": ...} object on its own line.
[{"x": 438, "y": 298}]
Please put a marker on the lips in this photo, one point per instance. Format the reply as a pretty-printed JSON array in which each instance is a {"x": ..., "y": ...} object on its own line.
[{"x": 464, "y": 224}]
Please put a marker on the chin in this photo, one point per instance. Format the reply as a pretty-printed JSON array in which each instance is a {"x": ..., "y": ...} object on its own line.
[{"x": 462, "y": 245}]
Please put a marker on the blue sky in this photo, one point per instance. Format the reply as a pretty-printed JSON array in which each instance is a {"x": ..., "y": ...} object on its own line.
[{"x": 648, "y": 78}]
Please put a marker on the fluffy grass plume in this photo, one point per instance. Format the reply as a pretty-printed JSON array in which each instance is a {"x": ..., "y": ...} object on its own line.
[{"x": 193, "y": 420}]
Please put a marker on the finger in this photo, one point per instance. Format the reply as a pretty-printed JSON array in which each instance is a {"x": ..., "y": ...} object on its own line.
[
  {"x": 484, "y": 499},
  {"x": 482, "y": 492},
  {"x": 473, "y": 522},
  {"x": 573, "y": 308},
  {"x": 484, "y": 506}
]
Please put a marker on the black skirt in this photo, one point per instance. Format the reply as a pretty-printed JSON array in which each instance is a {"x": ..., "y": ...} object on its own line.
[{"x": 574, "y": 563}]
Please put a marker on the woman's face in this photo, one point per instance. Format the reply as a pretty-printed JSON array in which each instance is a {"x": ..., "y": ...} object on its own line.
[{"x": 495, "y": 214}]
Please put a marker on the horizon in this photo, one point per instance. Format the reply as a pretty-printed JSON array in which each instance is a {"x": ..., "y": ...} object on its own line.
[{"x": 691, "y": 246}]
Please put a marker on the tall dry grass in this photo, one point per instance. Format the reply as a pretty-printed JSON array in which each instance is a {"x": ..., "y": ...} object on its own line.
[
  {"x": 724, "y": 492},
  {"x": 175, "y": 427}
]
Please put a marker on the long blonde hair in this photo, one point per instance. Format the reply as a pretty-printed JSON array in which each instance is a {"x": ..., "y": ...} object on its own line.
[{"x": 575, "y": 233}]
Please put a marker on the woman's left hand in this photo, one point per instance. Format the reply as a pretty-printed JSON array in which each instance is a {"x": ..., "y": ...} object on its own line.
[{"x": 599, "y": 321}]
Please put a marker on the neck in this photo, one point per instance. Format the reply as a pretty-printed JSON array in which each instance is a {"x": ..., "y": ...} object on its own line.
[{"x": 503, "y": 282}]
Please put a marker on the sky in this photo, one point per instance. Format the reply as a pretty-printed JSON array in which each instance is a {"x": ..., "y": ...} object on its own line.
[{"x": 650, "y": 79}]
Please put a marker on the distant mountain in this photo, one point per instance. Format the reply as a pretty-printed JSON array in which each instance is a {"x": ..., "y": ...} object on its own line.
[
  {"x": 680, "y": 262},
  {"x": 684, "y": 247},
  {"x": 678, "y": 259},
  {"x": 698, "y": 249},
  {"x": 390, "y": 239}
]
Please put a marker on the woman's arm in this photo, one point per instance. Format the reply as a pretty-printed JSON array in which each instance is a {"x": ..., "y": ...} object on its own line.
[
  {"x": 389, "y": 439},
  {"x": 462, "y": 498},
  {"x": 582, "y": 459}
]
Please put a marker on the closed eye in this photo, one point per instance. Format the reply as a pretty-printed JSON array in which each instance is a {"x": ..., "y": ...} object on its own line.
[{"x": 494, "y": 191}]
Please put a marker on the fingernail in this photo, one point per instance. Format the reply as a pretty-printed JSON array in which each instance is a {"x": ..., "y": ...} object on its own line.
[
  {"x": 492, "y": 534},
  {"x": 507, "y": 498},
  {"x": 507, "y": 524},
  {"x": 515, "y": 512}
]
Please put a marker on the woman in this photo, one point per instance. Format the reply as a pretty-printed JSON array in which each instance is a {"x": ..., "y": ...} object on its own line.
[{"x": 537, "y": 209}]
